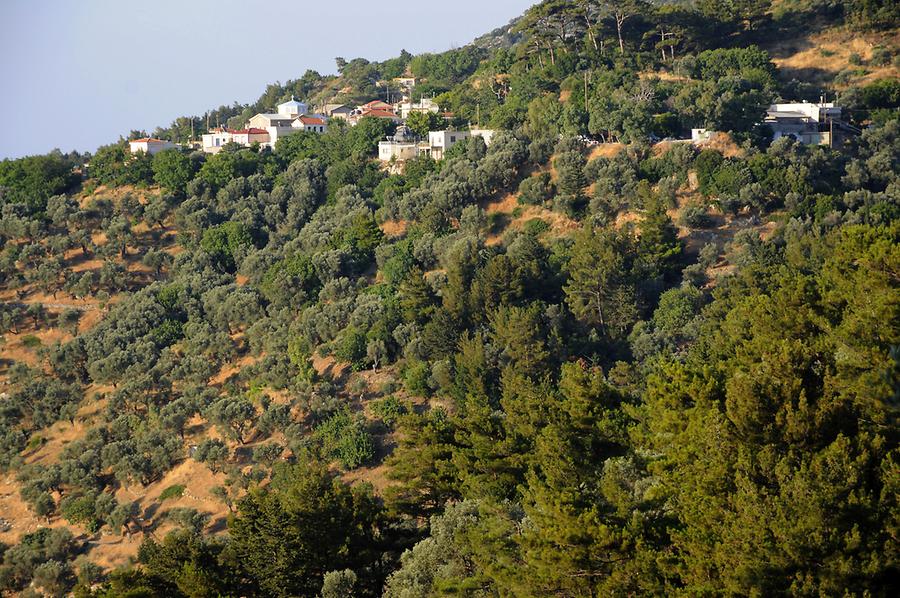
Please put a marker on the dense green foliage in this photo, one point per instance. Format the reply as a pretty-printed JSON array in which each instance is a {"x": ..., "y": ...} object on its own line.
[
  {"x": 576, "y": 398},
  {"x": 35, "y": 179}
]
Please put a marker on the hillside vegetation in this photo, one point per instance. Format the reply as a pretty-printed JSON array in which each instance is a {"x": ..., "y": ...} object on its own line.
[{"x": 589, "y": 359}]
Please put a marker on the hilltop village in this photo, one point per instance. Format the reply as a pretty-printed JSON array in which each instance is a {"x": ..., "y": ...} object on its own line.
[
  {"x": 603, "y": 303},
  {"x": 811, "y": 123},
  {"x": 292, "y": 116}
]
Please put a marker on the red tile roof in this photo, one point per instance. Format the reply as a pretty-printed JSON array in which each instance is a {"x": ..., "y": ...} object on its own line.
[
  {"x": 250, "y": 131},
  {"x": 148, "y": 139},
  {"x": 311, "y": 120},
  {"x": 379, "y": 114}
]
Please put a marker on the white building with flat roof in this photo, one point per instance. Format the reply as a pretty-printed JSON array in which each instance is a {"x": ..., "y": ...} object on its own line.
[
  {"x": 403, "y": 146},
  {"x": 149, "y": 145},
  {"x": 806, "y": 122},
  {"x": 213, "y": 141},
  {"x": 424, "y": 105},
  {"x": 441, "y": 141},
  {"x": 398, "y": 151},
  {"x": 486, "y": 134},
  {"x": 816, "y": 112},
  {"x": 266, "y": 120}
]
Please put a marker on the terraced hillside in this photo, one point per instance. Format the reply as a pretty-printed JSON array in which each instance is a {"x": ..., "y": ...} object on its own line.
[{"x": 593, "y": 357}]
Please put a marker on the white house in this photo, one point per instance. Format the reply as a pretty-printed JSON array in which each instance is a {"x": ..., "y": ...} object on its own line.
[
  {"x": 377, "y": 105},
  {"x": 407, "y": 83},
  {"x": 402, "y": 146},
  {"x": 290, "y": 118},
  {"x": 398, "y": 151},
  {"x": 266, "y": 120},
  {"x": 215, "y": 139},
  {"x": 359, "y": 114},
  {"x": 700, "y": 135},
  {"x": 486, "y": 134},
  {"x": 248, "y": 137},
  {"x": 819, "y": 112},
  {"x": 809, "y": 123},
  {"x": 423, "y": 105},
  {"x": 441, "y": 141},
  {"x": 218, "y": 138},
  {"x": 314, "y": 124},
  {"x": 149, "y": 145}
]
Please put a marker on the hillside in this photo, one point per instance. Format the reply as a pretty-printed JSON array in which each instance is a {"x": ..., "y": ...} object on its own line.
[{"x": 633, "y": 342}]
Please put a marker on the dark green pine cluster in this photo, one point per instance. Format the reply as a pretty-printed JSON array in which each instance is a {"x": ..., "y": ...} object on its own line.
[{"x": 572, "y": 362}]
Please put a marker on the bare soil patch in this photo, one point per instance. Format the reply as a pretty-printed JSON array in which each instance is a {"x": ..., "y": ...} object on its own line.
[
  {"x": 606, "y": 150},
  {"x": 821, "y": 56},
  {"x": 394, "y": 228}
]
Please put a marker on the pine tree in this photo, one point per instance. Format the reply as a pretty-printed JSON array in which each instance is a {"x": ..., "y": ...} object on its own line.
[
  {"x": 422, "y": 464},
  {"x": 482, "y": 455},
  {"x": 781, "y": 465},
  {"x": 575, "y": 540},
  {"x": 417, "y": 301},
  {"x": 600, "y": 291}
]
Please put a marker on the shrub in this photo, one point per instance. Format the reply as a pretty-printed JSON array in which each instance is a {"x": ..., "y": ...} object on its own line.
[
  {"x": 79, "y": 509},
  {"x": 338, "y": 584},
  {"x": 881, "y": 56},
  {"x": 267, "y": 453},
  {"x": 31, "y": 341},
  {"x": 536, "y": 226},
  {"x": 694, "y": 216},
  {"x": 694, "y": 275},
  {"x": 175, "y": 491},
  {"x": 213, "y": 452},
  {"x": 570, "y": 168},
  {"x": 222, "y": 242},
  {"x": 389, "y": 410},
  {"x": 352, "y": 347},
  {"x": 706, "y": 164},
  {"x": 570, "y": 205},
  {"x": 416, "y": 378},
  {"x": 709, "y": 255},
  {"x": 189, "y": 519},
  {"x": 730, "y": 204},
  {"x": 347, "y": 439},
  {"x": 390, "y": 386},
  {"x": 497, "y": 221},
  {"x": 536, "y": 190}
]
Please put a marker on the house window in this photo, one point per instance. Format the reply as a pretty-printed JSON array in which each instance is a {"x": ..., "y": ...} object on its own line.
[{"x": 453, "y": 139}]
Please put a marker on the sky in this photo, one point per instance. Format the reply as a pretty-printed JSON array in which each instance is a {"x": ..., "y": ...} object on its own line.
[{"x": 78, "y": 74}]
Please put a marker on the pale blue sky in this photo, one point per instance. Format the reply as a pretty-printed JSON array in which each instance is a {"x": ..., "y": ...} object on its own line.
[{"x": 78, "y": 73}]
